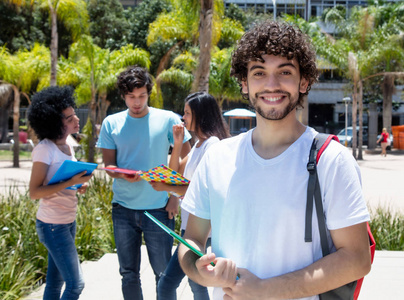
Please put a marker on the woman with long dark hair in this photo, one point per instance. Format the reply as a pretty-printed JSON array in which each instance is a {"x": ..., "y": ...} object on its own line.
[{"x": 203, "y": 117}]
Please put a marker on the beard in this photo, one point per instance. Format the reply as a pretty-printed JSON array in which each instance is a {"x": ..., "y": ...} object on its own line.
[{"x": 275, "y": 114}]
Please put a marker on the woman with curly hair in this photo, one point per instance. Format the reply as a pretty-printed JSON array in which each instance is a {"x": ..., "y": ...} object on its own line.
[
  {"x": 250, "y": 191},
  {"x": 53, "y": 119},
  {"x": 202, "y": 116}
]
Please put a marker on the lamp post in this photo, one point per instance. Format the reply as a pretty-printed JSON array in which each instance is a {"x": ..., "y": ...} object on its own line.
[{"x": 346, "y": 100}]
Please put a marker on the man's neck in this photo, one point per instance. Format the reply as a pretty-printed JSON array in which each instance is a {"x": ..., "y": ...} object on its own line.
[{"x": 272, "y": 138}]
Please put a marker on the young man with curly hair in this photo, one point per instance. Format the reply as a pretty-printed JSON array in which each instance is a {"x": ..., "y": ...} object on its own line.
[
  {"x": 251, "y": 190},
  {"x": 139, "y": 139}
]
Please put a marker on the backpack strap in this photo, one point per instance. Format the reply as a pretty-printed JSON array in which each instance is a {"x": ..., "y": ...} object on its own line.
[{"x": 320, "y": 142}]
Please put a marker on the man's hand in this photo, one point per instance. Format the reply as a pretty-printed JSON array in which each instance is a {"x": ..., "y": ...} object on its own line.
[
  {"x": 246, "y": 287},
  {"x": 223, "y": 274},
  {"x": 172, "y": 207},
  {"x": 131, "y": 178}
]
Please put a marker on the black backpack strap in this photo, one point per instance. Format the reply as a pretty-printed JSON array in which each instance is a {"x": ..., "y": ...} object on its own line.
[{"x": 320, "y": 142}]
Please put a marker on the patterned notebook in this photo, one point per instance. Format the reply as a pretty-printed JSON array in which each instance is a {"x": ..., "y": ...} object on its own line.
[{"x": 164, "y": 174}]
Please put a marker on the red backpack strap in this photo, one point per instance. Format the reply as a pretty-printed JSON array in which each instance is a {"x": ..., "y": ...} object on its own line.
[
  {"x": 323, "y": 141},
  {"x": 320, "y": 143}
]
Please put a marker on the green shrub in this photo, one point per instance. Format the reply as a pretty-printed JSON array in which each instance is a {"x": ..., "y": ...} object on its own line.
[
  {"x": 388, "y": 229},
  {"x": 23, "y": 259}
]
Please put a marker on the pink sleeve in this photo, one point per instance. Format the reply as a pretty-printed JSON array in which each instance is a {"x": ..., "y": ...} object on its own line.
[{"x": 42, "y": 153}]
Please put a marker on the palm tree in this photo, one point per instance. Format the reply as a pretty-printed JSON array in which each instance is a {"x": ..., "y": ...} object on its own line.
[
  {"x": 387, "y": 51},
  {"x": 359, "y": 37},
  {"x": 73, "y": 13},
  {"x": 222, "y": 85},
  {"x": 93, "y": 71},
  {"x": 24, "y": 71},
  {"x": 201, "y": 82},
  {"x": 198, "y": 23}
]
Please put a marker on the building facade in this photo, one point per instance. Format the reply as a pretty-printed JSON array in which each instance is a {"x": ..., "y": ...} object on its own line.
[{"x": 326, "y": 110}]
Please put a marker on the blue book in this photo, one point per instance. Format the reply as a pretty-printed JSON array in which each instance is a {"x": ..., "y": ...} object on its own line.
[{"x": 70, "y": 168}]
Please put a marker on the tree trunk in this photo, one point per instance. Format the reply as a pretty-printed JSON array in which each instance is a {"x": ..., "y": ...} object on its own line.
[
  {"x": 92, "y": 133},
  {"x": 16, "y": 127},
  {"x": 165, "y": 59},
  {"x": 201, "y": 82},
  {"x": 354, "y": 113},
  {"x": 388, "y": 91},
  {"x": 372, "y": 137},
  {"x": 54, "y": 46},
  {"x": 6, "y": 102},
  {"x": 103, "y": 107},
  {"x": 360, "y": 101}
]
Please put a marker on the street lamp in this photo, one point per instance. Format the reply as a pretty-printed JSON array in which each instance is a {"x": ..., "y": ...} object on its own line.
[{"x": 346, "y": 100}]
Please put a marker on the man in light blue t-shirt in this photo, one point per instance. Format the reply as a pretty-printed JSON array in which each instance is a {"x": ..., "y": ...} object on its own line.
[{"x": 139, "y": 139}]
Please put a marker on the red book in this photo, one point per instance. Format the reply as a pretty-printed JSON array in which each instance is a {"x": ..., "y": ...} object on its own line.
[{"x": 120, "y": 170}]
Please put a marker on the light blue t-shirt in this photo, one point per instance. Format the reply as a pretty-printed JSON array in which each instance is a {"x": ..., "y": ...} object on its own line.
[{"x": 140, "y": 144}]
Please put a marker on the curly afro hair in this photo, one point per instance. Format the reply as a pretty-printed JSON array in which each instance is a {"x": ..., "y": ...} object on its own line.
[
  {"x": 45, "y": 112},
  {"x": 275, "y": 38},
  {"x": 134, "y": 77}
]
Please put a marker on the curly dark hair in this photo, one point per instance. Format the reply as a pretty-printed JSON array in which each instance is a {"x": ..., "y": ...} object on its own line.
[
  {"x": 134, "y": 77},
  {"x": 206, "y": 115},
  {"x": 275, "y": 38},
  {"x": 45, "y": 112}
]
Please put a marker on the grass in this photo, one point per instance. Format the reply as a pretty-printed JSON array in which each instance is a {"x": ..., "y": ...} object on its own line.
[
  {"x": 23, "y": 259},
  {"x": 8, "y": 155}
]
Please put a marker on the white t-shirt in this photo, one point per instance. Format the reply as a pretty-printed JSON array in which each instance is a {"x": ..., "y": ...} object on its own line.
[
  {"x": 194, "y": 157},
  {"x": 257, "y": 206},
  {"x": 61, "y": 207}
]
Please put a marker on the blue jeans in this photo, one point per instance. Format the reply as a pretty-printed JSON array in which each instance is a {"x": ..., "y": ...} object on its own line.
[
  {"x": 129, "y": 225},
  {"x": 172, "y": 277},
  {"x": 63, "y": 261}
]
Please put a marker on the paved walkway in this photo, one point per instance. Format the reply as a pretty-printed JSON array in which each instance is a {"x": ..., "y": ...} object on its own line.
[
  {"x": 385, "y": 281},
  {"x": 382, "y": 179}
]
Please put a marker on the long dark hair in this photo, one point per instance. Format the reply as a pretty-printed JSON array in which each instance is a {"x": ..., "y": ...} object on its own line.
[{"x": 206, "y": 115}]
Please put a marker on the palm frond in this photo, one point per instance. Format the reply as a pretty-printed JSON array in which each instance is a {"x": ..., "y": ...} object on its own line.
[{"x": 177, "y": 77}]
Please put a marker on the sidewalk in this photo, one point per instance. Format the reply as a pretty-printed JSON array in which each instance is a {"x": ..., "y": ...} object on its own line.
[
  {"x": 382, "y": 179},
  {"x": 102, "y": 278}
]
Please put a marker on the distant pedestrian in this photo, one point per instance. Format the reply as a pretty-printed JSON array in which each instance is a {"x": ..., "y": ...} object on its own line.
[
  {"x": 53, "y": 119},
  {"x": 383, "y": 140}
]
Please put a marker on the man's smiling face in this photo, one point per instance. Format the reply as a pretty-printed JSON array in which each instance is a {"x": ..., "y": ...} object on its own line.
[{"x": 273, "y": 86}]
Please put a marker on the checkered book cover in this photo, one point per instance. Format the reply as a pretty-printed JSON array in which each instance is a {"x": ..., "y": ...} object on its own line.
[{"x": 164, "y": 174}]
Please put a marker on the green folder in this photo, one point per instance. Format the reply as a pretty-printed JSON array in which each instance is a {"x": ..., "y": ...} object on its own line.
[{"x": 175, "y": 235}]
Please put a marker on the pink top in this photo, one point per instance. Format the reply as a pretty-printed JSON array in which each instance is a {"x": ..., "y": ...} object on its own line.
[{"x": 61, "y": 207}]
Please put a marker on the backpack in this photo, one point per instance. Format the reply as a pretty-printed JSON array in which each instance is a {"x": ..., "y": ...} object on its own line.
[{"x": 320, "y": 143}]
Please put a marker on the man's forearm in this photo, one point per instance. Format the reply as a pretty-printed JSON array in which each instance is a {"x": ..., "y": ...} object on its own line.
[
  {"x": 326, "y": 274},
  {"x": 187, "y": 260}
]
